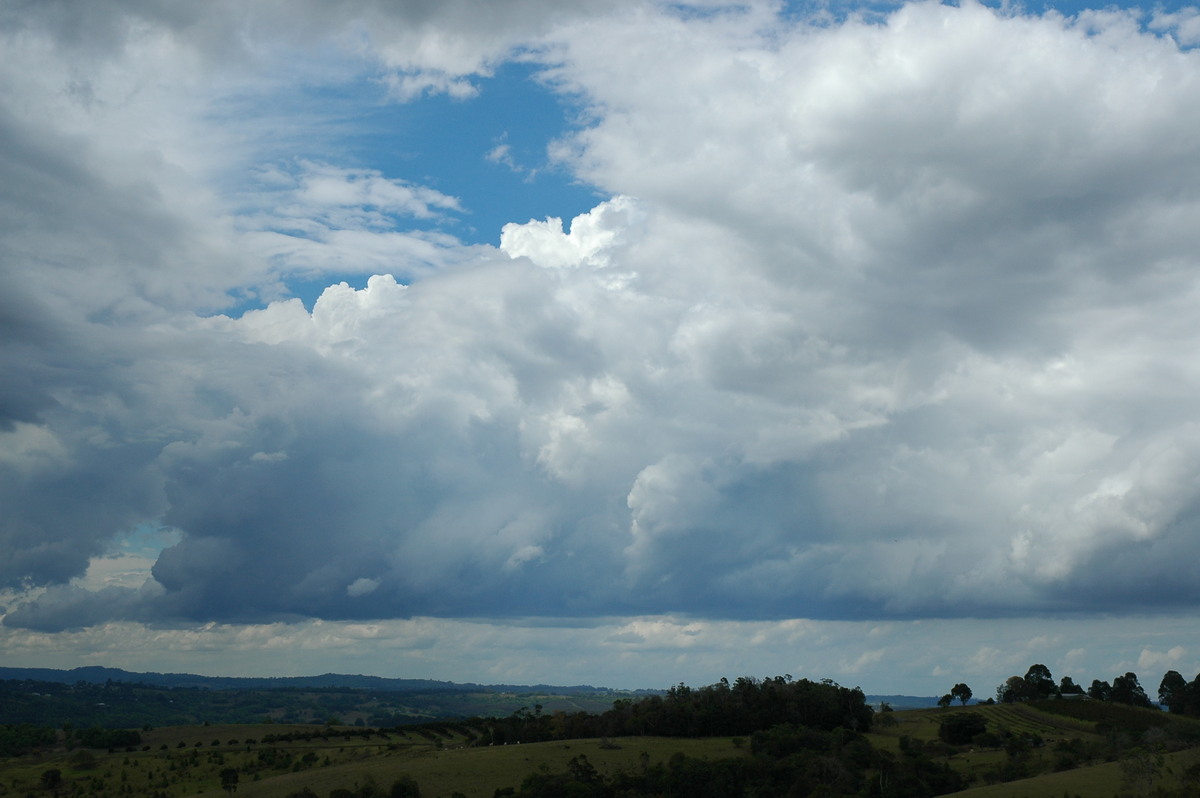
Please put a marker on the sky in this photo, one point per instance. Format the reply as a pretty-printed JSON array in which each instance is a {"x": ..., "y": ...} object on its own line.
[{"x": 625, "y": 343}]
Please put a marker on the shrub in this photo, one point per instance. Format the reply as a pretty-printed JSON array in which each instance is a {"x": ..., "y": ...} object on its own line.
[
  {"x": 961, "y": 728},
  {"x": 405, "y": 787}
]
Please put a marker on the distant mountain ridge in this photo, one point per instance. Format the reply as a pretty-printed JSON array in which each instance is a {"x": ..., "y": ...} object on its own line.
[
  {"x": 904, "y": 701},
  {"x": 95, "y": 674}
]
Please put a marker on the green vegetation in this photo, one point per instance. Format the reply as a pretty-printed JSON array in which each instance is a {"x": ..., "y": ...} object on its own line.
[
  {"x": 116, "y": 705},
  {"x": 181, "y": 761},
  {"x": 21, "y": 737},
  {"x": 752, "y": 737}
]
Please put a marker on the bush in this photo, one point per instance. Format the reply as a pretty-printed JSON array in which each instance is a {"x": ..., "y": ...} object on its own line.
[
  {"x": 987, "y": 740},
  {"x": 405, "y": 787},
  {"x": 97, "y": 737},
  {"x": 51, "y": 778},
  {"x": 787, "y": 738},
  {"x": 1066, "y": 761},
  {"x": 83, "y": 760},
  {"x": 961, "y": 728}
]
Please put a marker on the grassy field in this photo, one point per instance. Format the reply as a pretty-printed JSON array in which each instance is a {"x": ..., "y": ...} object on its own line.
[
  {"x": 183, "y": 761},
  {"x": 187, "y": 760},
  {"x": 477, "y": 772},
  {"x": 1096, "y": 781},
  {"x": 1056, "y": 730}
]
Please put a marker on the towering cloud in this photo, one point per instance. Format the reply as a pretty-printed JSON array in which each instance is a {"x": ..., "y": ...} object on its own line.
[{"x": 886, "y": 316}]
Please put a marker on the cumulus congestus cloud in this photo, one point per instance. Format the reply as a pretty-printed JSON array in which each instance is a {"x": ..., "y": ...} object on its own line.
[{"x": 885, "y": 317}]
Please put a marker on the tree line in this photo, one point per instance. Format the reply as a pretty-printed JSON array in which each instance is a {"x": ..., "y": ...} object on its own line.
[
  {"x": 1175, "y": 693},
  {"x": 724, "y": 709},
  {"x": 1178, "y": 695},
  {"x": 1038, "y": 684},
  {"x": 805, "y": 738}
]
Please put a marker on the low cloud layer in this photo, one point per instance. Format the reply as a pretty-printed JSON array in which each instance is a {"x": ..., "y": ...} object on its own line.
[{"x": 887, "y": 317}]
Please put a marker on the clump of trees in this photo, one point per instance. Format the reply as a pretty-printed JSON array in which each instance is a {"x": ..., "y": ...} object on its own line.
[
  {"x": 22, "y": 737},
  {"x": 1038, "y": 684},
  {"x": 1178, "y": 695},
  {"x": 724, "y": 709},
  {"x": 806, "y": 738},
  {"x": 403, "y": 787},
  {"x": 97, "y": 737},
  {"x": 959, "y": 692},
  {"x": 961, "y": 728},
  {"x": 1123, "y": 690}
]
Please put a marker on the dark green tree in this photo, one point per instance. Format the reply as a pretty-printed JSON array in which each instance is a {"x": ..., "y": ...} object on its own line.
[
  {"x": 52, "y": 778},
  {"x": 945, "y": 701},
  {"x": 1100, "y": 691},
  {"x": 961, "y": 692},
  {"x": 229, "y": 780},
  {"x": 1041, "y": 683},
  {"x": 1187, "y": 699},
  {"x": 405, "y": 787},
  {"x": 1013, "y": 690},
  {"x": 1126, "y": 690},
  {"x": 961, "y": 728},
  {"x": 1173, "y": 692},
  {"x": 1068, "y": 687},
  {"x": 83, "y": 759}
]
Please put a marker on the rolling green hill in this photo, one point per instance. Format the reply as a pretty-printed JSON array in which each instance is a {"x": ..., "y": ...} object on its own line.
[{"x": 798, "y": 736}]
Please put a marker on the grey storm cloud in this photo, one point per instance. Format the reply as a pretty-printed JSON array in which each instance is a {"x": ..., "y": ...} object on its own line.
[{"x": 888, "y": 317}]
